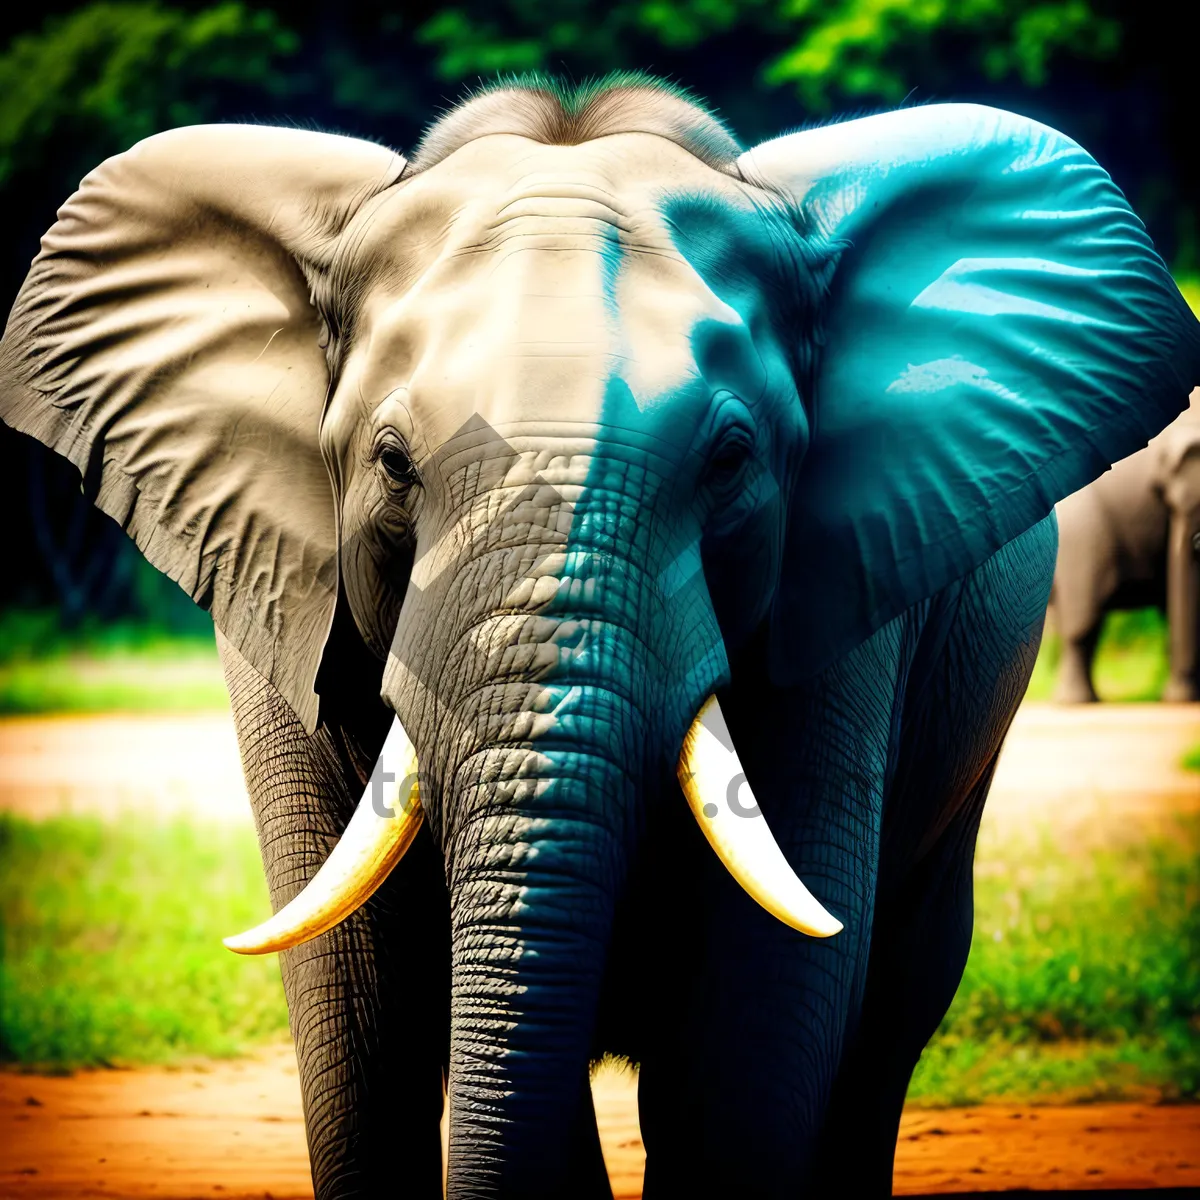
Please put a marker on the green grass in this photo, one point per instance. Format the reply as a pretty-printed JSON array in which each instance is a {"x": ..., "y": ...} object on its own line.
[
  {"x": 182, "y": 679},
  {"x": 137, "y": 667},
  {"x": 1083, "y": 981},
  {"x": 110, "y": 943},
  {"x": 122, "y": 667},
  {"x": 1131, "y": 658}
]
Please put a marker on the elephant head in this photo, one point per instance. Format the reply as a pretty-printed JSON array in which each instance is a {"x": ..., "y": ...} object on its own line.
[{"x": 563, "y": 411}]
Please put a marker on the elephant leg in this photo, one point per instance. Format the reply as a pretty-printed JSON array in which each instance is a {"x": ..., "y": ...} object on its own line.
[
  {"x": 966, "y": 681},
  {"x": 1085, "y": 577},
  {"x": 587, "y": 1172},
  {"x": 920, "y": 944},
  {"x": 1074, "y": 683},
  {"x": 1183, "y": 605},
  {"x": 367, "y": 1001},
  {"x": 748, "y": 1017}
]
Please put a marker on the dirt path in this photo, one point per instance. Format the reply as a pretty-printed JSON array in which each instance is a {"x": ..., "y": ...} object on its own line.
[
  {"x": 234, "y": 1131},
  {"x": 1095, "y": 773},
  {"x": 1097, "y": 1146},
  {"x": 115, "y": 763},
  {"x": 229, "y": 1129},
  {"x": 1102, "y": 765}
]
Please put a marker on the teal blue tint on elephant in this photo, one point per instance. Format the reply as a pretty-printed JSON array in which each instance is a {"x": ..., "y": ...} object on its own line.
[
  {"x": 753, "y": 364},
  {"x": 999, "y": 330},
  {"x": 713, "y": 446},
  {"x": 636, "y": 537}
]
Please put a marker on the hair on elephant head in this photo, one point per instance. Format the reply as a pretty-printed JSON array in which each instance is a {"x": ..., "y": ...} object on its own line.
[{"x": 549, "y": 436}]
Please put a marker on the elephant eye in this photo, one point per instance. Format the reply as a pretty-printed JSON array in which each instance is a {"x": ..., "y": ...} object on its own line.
[
  {"x": 396, "y": 464},
  {"x": 728, "y": 462}
]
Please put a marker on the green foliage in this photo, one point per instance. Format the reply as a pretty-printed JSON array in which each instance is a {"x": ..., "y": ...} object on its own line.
[
  {"x": 854, "y": 50},
  {"x": 1130, "y": 664},
  {"x": 480, "y": 39},
  {"x": 172, "y": 678},
  {"x": 684, "y": 25},
  {"x": 1189, "y": 287},
  {"x": 107, "y": 75},
  {"x": 466, "y": 46},
  {"x": 1083, "y": 980},
  {"x": 110, "y": 943},
  {"x": 126, "y": 666},
  {"x": 880, "y": 49},
  {"x": 959, "y": 1071},
  {"x": 34, "y": 635}
]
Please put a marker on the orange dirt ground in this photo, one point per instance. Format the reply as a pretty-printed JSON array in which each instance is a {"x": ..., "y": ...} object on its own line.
[{"x": 234, "y": 1130}]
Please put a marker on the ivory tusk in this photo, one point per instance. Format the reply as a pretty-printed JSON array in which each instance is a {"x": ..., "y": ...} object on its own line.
[
  {"x": 708, "y": 766},
  {"x": 364, "y": 855}
]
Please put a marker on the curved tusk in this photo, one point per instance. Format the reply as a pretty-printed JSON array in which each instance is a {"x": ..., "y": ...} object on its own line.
[
  {"x": 366, "y": 852},
  {"x": 708, "y": 768}
]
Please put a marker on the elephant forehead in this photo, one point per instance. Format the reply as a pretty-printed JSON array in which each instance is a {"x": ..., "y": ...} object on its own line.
[
  {"x": 478, "y": 213},
  {"x": 517, "y": 282},
  {"x": 623, "y": 173}
]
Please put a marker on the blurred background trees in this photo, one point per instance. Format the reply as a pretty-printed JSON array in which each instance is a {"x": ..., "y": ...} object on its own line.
[{"x": 79, "y": 82}]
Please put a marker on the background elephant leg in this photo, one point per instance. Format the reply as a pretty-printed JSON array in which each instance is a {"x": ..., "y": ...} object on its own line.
[
  {"x": 1074, "y": 683},
  {"x": 1183, "y": 608},
  {"x": 1086, "y": 575},
  {"x": 367, "y": 1001}
]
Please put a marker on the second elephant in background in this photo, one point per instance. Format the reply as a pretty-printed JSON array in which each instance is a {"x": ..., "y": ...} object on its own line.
[{"x": 1127, "y": 540}]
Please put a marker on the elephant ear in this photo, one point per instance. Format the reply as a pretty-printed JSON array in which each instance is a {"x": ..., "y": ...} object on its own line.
[
  {"x": 164, "y": 342},
  {"x": 998, "y": 331}
]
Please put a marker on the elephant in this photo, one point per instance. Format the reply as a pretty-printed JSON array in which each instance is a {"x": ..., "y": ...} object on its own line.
[
  {"x": 1127, "y": 540},
  {"x": 628, "y": 551}
]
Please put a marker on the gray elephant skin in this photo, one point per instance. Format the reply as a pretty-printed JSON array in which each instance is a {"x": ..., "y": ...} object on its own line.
[
  {"x": 1129, "y": 540},
  {"x": 506, "y": 460}
]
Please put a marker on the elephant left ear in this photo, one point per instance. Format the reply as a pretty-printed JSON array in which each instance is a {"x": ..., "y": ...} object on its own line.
[{"x": 999, "y": 330}]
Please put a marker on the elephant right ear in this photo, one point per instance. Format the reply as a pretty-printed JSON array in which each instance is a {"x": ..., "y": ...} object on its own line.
[
  {"x": 165, "y": 343},
  {"x": 998, "y": 330}
]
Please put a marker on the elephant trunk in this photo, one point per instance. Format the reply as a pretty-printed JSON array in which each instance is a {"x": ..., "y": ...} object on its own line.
[
  {"x": 534, "y": 730},
  {"x": 527, "y": 672},
  {"x": 538, "y": 856}
]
